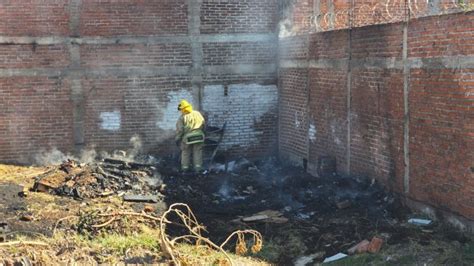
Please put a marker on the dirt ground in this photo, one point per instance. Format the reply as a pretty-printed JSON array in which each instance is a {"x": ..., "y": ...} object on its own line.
[{"x": 303, "y": 219}]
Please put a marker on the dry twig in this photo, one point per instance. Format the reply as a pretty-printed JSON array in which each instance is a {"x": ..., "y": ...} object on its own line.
[
  {"x": 188, "y": 218},
  {"x": 30, "y": 243}
]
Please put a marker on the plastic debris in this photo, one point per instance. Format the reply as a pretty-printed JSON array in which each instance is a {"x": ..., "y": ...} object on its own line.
[
  {"x": 305, "y": 260},
  {"x": 255, "y": 218},
  {"x": 422, "y": 222},
  {"x": 338, "y": 256},
  {"x": 141, "y": 198}
]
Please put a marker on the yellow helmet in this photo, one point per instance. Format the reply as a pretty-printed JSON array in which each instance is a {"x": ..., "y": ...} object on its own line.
[{"x": 185, "y": 107}]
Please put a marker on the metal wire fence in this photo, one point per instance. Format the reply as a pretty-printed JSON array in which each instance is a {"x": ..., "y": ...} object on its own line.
[{"x": 358, "y": 13}]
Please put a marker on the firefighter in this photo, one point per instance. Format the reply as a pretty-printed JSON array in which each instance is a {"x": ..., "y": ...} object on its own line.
[{"x": 190, "y": 136}]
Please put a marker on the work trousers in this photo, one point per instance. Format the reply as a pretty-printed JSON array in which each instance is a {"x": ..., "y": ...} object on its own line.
[{"x": 196, "y": 151}]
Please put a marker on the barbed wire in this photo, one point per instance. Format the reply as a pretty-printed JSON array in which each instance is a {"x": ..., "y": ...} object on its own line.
[{"x": 385, "y": 11}]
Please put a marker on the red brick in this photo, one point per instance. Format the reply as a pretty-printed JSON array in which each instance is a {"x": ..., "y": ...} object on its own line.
[
  {"x": 359, "y": 248},
  {"x": 230, "y": 53},
  {"x": 34, "y": 56},
  {"x": 375, "y": 245},
  {"x": 328, "y": 109},
  {"x": 133, "y": 18},
  {"x": 427, "y": 40},
  {"x": 293, "y": 114},
  {"x": 139, "y": 55},
  {"x": 36, "y": 114},
  {"x": 34, "y": 18}
]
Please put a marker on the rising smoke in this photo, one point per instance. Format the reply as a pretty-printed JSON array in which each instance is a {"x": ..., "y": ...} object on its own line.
[{"x": 54, "y": 156}]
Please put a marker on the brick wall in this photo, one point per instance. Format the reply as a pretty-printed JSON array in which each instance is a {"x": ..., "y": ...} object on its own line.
[
  {"x": 33, "y": 56},
  {"x": 136, "y": 55},
  {"x": 144, "y": 105},
  {"x": 34, "y": 18},
  {"x": 249, "y": 111},
  {"x": 237, "y": 16},
  {"x": 36, "y": 113},
  {"x": 293, "y": 103},
  {"x": 293, "y": 114},
  {"x": 377, "y": 125},
  {"x": 441, "y": 112},
  {"x": 375, "y": 106},
  {"x": 133, "y": 18},
  {"x": 306, "y": 16},
  {"x": 81, "y": 73},
  {"x": 328, "y": 115},
  {"x": 230, "y": 53},
  {"x": 376, "y": 144}
]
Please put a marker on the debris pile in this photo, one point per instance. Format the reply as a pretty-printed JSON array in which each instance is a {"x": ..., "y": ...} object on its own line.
[
  {"x": 304, "y": 219},
  {"x": 102, "y": 178},
  {"x": 303, "y": 214}
]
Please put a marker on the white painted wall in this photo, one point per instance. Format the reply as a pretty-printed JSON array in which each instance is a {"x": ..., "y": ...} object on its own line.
[{"x": 242, "y": 107}]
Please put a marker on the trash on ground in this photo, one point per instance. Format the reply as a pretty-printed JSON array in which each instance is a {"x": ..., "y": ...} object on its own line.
[
  {"x": 359, "y": 248},
  {"x": 375, "y": 245},
  {"x": 100, "y": 179},
  {"x": 255, "y": 218},
  {"x": 141, "y": 198},
  {"x": 270, "y": 216},
  {"x": 421, "y": 222},
  {"x": 305, "y": 260},
  {"x": 338, "y": 256}
]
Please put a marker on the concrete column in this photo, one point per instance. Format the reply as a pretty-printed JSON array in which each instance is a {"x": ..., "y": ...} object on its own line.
[
  {"x": 316, "y": 13},
  {"x": 194, "y": 31},
  {"x": 349, "y": 113},
  {"x": 406, "y": 119},
  {"x": 77, "y": 93},
  {"x": 308, "y": 100},
  {"x": 349, "y": 93},
  {"x": 332, "y": 14}
]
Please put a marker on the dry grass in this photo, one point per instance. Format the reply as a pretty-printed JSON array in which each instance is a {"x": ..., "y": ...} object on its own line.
[
  {"x": 129, "y": 238},
  {"x": 113, "y": 248},
  {"x": 19, "y": 174}
]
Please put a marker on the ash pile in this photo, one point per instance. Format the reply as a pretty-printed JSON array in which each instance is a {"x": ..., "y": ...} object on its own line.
[{"x": 135, "y": 180}]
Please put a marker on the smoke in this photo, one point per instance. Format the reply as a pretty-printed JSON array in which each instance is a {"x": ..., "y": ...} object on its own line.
[
  {"x": 285, "y": 25},
  {"x": 285, "y": 28},
  {"x": 137, "y": 145},
  {"x": 54, "y": 156},
  {"x": 88, "y": 156},
  {"x": 51, "y": 157},
  {"x": 224, "y": 190},
  {"x": 130, "y": 154}
]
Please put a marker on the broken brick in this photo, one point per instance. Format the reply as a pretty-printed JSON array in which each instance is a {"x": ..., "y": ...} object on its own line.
[
  {"x": 148, "y": 208},
  {"x": 27, "y": 218},
  {"x": 361, "y": 247},
  {"x": 375, "y": 245}
]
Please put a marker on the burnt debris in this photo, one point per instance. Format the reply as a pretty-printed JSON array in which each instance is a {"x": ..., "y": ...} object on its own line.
[{"x": 103, "y": 177}]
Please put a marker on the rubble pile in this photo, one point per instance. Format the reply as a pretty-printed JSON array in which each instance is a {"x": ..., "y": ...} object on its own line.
[
  {"x": 302, "y": 214},
  {"x": 133, "y": 180}
]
